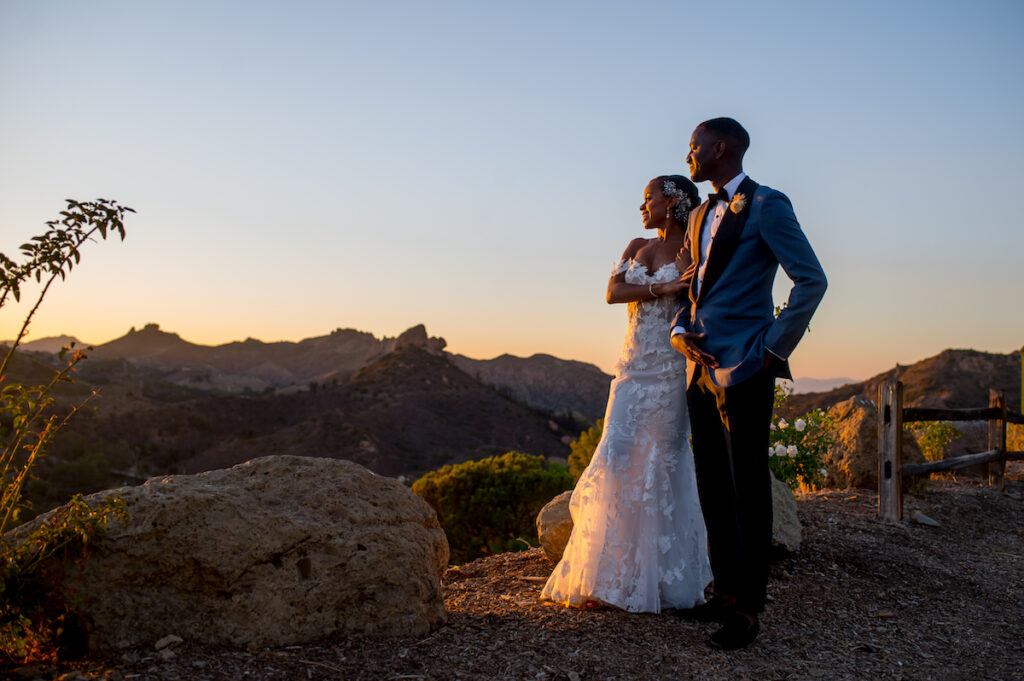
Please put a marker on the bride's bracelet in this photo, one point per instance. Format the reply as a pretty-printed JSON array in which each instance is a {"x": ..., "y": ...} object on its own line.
[{"x": 650, "y": 289}]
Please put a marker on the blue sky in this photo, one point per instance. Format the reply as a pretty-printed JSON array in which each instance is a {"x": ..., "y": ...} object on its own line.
[{"x": 477, "y": 167}]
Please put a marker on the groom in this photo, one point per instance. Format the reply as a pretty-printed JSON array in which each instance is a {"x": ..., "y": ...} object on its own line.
[{"x": 736, "y": 348}]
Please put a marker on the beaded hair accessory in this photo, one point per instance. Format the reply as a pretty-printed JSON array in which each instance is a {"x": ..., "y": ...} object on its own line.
[{"x": 683, "y": 203}]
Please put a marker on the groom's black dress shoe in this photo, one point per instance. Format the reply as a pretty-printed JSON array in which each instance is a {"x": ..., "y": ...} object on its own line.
[
  {"x": 738, "y": 632},
  {"x": 718, "y": 609}
]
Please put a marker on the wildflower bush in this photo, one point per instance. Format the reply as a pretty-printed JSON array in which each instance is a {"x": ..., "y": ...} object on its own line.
[
  {"x": 33, "y": 617},
  {"x": 582, "y": 449},
  {"x": 490, "y": 506},
  {"x": 796, "y": 449}
]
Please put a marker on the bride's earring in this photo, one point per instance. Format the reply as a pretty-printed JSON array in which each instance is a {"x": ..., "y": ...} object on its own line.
[{"x": 668, "y": 213}]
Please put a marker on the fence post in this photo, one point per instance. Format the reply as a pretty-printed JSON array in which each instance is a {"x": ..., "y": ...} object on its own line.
[
  {"x": 890, "y": 451},
  {"x": 997, "y": 438}
]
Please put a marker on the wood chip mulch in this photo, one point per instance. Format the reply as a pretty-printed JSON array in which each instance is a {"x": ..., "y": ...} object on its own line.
[{"x": 860, "y": 600}]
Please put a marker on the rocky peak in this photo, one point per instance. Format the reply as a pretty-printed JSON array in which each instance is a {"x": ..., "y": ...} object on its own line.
[{"x": 416, "y": 336}]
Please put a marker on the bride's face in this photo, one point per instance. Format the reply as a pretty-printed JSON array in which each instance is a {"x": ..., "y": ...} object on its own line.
[{"x": 655, "y": 205}]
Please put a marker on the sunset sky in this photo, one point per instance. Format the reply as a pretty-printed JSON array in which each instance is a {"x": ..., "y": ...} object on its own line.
[{"x": 476, "y": 166}]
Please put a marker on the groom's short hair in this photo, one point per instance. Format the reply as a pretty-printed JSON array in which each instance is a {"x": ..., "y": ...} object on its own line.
[{"x": 729, "y": 130}]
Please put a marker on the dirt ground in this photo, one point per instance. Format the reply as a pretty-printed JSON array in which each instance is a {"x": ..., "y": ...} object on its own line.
[{"x": 860, "y": 600}]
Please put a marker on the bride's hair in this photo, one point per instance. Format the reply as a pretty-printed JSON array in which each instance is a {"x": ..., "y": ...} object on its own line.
[{"x": 685, "y": 192}]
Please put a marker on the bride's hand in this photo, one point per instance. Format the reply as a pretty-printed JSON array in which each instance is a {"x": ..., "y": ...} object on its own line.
[
  {"x": 672, "y": 287},
  {"x": 689, "y": 274}
]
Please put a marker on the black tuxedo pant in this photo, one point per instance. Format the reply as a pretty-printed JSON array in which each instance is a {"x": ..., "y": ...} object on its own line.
[{"x": 730, "y": 447}]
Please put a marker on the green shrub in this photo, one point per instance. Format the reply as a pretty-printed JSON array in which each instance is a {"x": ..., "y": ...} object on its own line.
[
  {"x": 582, "y": 449},
  {"x": 933, "y": 437},
  {"x": 487, "y": 506}
]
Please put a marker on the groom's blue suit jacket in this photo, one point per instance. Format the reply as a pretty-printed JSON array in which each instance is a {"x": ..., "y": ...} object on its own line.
[{"x": 734, "y": 305}]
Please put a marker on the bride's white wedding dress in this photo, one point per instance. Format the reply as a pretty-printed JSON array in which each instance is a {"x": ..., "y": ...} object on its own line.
[{"x": 638, "y": 540}]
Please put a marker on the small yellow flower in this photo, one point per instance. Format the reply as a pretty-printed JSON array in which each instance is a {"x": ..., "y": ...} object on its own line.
[{"x": 738, "y": 203}]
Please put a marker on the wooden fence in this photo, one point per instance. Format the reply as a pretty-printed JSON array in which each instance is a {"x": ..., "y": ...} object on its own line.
[{"x": 891, "y": 469}]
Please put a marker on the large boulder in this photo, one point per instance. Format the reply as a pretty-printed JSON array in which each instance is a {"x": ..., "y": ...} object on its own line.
[
  {"x": 786, "y": 527},
  {"x": 554, "y": 523},
  {"x": 853, "y": 460},
  {"x": 274, "y": 551}
]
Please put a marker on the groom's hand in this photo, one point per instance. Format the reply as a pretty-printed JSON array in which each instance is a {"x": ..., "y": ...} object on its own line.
[{"x": 686, "y": 343}]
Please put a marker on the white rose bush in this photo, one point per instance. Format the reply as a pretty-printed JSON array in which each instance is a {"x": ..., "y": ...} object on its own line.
[{"x": 796, "y": 448}]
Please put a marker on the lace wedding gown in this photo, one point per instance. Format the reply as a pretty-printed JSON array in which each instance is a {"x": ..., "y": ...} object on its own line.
[{"x": 638, "y": 540}]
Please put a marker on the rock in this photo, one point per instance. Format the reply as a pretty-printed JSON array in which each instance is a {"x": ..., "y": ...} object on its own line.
[
  {"x": 853, "y": 460},
  {"x": 786, "y": 527},
  {"x": 554, "y": 522},
  {"x": 275, "y": 551},
  {"x": 973, "y": 439},
  {"x": 168, "y": 640},
  {"x": 922, "y": 519},
  {"x": 554, "y": 525}
]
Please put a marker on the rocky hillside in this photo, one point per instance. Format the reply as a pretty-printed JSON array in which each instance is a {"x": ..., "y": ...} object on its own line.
[
  {"x": 409, "y": 412},
  {"x": 955, "y": 379},
  {"x": 246, "y": 366},
  {"x": 544, "y": 382},
  {"x": 405, "y": 414}
]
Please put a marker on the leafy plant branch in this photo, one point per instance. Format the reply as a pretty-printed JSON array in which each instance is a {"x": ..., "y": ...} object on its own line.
[
  {"x": 33, "y": 611},
  {"x": 55, "y": 253}
]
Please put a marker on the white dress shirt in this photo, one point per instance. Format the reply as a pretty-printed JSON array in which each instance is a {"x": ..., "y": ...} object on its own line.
[{"x": 712, "y": 221}]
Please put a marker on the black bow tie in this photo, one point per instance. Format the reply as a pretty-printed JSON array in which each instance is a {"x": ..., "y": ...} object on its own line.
[{"x": 720, "y": 195}]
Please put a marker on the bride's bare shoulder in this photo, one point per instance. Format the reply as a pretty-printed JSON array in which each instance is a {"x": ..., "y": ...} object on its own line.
[{"x": 635, "y": 247}]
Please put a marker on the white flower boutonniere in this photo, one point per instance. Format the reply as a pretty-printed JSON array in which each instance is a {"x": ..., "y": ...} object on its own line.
[{"x": 738, "y": 203}]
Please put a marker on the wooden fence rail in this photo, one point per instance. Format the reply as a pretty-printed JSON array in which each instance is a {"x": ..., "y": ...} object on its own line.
[{"x": 891, "y": 469}]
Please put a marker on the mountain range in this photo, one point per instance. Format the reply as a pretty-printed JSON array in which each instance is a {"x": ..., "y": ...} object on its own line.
[
  {"x": 399, "y": 406},
  {"x": 253, "y": 366},
  {"x": 257, "y": 366},
  {"x": 954, "y": 379}
]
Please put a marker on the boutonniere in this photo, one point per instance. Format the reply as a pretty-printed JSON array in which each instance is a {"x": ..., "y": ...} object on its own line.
[{"x": 738, "y": 203}]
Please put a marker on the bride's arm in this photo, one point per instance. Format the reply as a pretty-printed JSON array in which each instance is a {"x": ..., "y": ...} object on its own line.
[{"x": 621, "y": 292}]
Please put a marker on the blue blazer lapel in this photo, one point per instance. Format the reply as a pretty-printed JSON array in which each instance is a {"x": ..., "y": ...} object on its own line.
[{"x": 727, "y": 237}]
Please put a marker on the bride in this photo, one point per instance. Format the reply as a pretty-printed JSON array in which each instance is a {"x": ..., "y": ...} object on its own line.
[{"x": 638, "y": 541}]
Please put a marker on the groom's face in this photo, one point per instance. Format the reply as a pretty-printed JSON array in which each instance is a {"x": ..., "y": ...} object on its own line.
[{"x": 701, "y": 156}]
